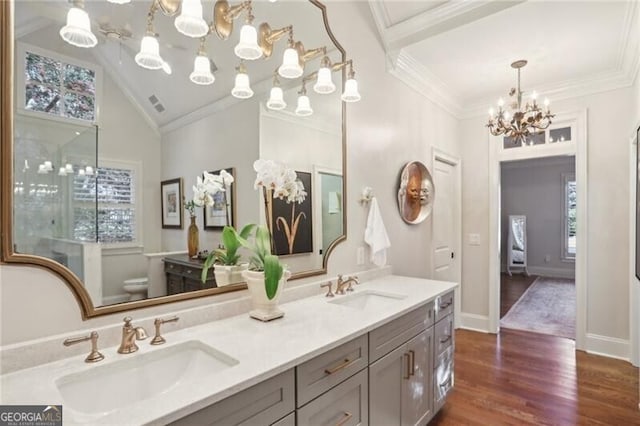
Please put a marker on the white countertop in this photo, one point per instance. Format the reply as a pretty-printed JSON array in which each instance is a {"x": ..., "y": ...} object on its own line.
[{"x": 310, "y": 327}]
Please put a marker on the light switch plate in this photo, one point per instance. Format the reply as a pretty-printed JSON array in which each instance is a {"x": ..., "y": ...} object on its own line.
[{"x": 474, "y": 239}]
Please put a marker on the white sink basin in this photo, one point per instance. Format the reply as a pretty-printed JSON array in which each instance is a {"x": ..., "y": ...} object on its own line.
[
  {"x": 368, "y": 299},
  {"x": 140, "y": 376}
]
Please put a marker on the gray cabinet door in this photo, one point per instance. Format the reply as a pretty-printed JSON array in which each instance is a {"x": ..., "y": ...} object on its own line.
[
  {"x": 387, "y": 377},
  {"x": 416, "y": 393}
]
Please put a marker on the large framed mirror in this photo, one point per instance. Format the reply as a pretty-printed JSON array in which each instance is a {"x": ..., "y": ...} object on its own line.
[{"x": 88, "y": 135}]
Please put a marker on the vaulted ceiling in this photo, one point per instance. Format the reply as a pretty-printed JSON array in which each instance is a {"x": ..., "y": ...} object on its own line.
[{"x": 458, "y": 53}]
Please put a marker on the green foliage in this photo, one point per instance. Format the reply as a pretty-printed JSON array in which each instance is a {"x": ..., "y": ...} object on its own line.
[
  {"x": 228, "y": 255},
  {"x": 272, "y": 273}
]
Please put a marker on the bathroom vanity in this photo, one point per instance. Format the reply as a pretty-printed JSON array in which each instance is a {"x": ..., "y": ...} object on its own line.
[{"x": 328, "y": 361}]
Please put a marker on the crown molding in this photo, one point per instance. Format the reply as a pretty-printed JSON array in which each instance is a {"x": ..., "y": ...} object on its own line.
[
  {"x": 419, "y": 78},
  {"x": 310, "y": 122},
  {"x": 31, "y": 26},
  {"x": 431, "y": 22}
]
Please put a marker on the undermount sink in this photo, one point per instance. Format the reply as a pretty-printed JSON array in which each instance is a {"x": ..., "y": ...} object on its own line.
[
  {"x": 140, "y": 376},
  {"x": 368, "y": 299}
]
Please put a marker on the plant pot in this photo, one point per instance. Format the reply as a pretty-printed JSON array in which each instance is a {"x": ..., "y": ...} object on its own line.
[
  {"x": 229, "y": 274},
  {"x": 193, "y": 238},
  {"x": 262, "y": 308}
]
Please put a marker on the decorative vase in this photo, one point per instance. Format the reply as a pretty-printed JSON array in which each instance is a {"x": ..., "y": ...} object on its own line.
[
  {"x": 193, "y": 238},
  {"x": 262, "y": 308},
  {"x": 229, "y": 274}
]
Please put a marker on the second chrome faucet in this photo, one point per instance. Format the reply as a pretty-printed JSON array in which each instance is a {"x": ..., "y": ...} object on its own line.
[{"x": 129, "y": 336}]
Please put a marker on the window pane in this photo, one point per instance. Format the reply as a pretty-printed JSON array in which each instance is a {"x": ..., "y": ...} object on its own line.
[
  {"x": 560, "y": 135},
  {"x": 116, "y": 225},
  {"x": 78, "y": 79},
  {"x": 115, "y": 186},
  {"x": 79, "y": 106},
  {"x": 42, "y": 70},
  {"x": 535, "y": 139},
  {"x": 571, "y": 217},
  {"x": 42, "y": 98}
]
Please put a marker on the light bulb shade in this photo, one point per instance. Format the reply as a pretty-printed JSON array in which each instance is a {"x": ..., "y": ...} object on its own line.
[
  {"x": 89, "y": 170},
  {"x": 290, "y": 67},
  {"x": 276, "y": 99},
  {"x": 77, "y": 32},
  {"x": 190, "y": 21},
  {"x": 351, "y": 93},
  {"x": 81, "y": 172},
  {"x": 304, "y": 106},
  {"x": 68, "y": 167},
  {"x": 167, "y": 68},
  {"x": 248, "y": 47},
  {"x": 202, "y": 71},
  {"x": 324, "y": 85},
  {"x": 42, "y": 170},
  {"x": 242, "y": 89},
  {"x": 149, "y": 55},
  {"x": 48, "y": 166},
  {"x": 62, "y": 171}
]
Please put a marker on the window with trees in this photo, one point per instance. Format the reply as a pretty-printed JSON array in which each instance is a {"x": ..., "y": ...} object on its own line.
[{"x": 570, "y": 197}]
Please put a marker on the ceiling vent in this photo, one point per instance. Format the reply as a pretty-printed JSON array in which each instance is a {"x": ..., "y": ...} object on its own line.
[{"x": 156, "y": 103}]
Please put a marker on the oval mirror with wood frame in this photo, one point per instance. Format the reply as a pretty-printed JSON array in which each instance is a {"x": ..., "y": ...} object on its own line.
[{"x": 105, "y": 131}]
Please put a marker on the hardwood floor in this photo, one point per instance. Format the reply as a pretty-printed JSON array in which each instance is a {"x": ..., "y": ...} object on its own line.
[
  {"x": 521, "y": 378},
  {"x": 512, "y": 288}
]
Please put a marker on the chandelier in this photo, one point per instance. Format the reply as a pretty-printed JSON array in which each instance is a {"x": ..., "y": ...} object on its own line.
[
  {"x": 519, "y": 122},
  {"x": 253, "y": 45}
]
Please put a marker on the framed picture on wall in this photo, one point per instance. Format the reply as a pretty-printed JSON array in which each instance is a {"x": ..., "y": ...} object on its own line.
[
  {"x": 638, "y": 203},
  {"x": 223, "y": 211},
  {"x": 291, "y": 223},
  {"x": 171, "y": 199}
]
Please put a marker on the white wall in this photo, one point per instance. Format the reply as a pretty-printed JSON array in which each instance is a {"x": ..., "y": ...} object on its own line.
[
  {"x": 535, "y": 189},
  {"x": 608, "y": 206},
  {"x": 212, "y": 144},
  {"x": 391, "y": 126}
]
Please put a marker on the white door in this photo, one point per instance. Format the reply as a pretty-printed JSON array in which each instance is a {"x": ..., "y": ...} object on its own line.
[{"x": 446, "y": 213}]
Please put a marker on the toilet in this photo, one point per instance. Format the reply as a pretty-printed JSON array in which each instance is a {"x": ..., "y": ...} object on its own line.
[{"x": 136, "y": 288}]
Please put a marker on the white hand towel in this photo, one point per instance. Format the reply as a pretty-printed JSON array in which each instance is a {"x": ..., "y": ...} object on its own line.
[{"x": 375, "y": 235}]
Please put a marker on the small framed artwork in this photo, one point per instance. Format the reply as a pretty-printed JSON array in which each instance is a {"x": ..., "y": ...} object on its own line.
[
  {"x": 171, "y": 194},
  {"x": 291, "y": 223},
  {"x": 223, "y": 211}
]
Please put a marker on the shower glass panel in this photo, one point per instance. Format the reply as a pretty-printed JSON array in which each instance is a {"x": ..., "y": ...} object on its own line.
[{"x": 53, "y": 161}]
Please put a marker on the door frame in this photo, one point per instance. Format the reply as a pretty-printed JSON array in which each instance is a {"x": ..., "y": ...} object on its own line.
[
  {"x": 634, "y": 284},
  {"x": 578, "y": 148},
  {"x": 442, "y": 156}
]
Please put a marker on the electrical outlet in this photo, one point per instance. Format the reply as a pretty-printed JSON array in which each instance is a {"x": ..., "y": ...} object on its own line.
[
  {"x": 547, "y": 258},
  {"x": 360, "y": 256},
  {"x": 474, "y": 239}
]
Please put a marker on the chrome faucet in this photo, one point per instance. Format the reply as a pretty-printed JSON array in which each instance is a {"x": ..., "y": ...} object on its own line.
[
  {"x": 129, "y": 336},
  {"x": 342, "y": 283}
]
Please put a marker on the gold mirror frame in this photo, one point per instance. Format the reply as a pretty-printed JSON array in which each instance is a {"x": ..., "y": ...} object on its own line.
[{"x": 8, "y": 256}]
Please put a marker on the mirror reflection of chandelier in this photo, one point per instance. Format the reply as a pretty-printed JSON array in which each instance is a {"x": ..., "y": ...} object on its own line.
[
  {"x": 252, "y": 46},
  {"x": 520, "y": 122}
]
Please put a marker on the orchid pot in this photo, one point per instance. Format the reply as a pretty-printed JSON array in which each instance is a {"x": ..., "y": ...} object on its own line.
[
  {"x": 263, "y": 308},
  {"x": 229, "y": 274}
]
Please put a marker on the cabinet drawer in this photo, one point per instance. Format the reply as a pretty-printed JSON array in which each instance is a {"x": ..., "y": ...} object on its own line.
[
  {"x": 290, "y": 420},
  {"x": 172, "y": 268},
  {"x": 344, "y": 405},
  {"x": 386, "y": 338},
  {"x": 174, "y": 284},
  {"x": 443, "y": 335},
  {"x": 327, "y": 370},
  {"x": 444, "y": 305},
  {"x": 442, "y": 378},
  {"x": 262, "y": 404}
]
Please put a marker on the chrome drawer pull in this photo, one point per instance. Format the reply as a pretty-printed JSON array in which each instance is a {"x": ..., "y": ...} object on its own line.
[
  {"x": 412, "y": 362},
  {"x": 445, "y": 305},
  {"x": 345, "y": 418},
  {"x": 446, "y": 339},
  {"x": 446, "y": 383},
  {"x": 406, "y": 355},
  {"x": 344, "y": 364}
]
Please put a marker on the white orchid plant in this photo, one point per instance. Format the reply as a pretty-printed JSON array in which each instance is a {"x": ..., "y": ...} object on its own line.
[{"x": 279, "y": 181}]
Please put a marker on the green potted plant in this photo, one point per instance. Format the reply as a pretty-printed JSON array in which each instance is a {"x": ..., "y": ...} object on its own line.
[
  {"x": 226, "y": 260},
  {"x": 265, "y": 277}
]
